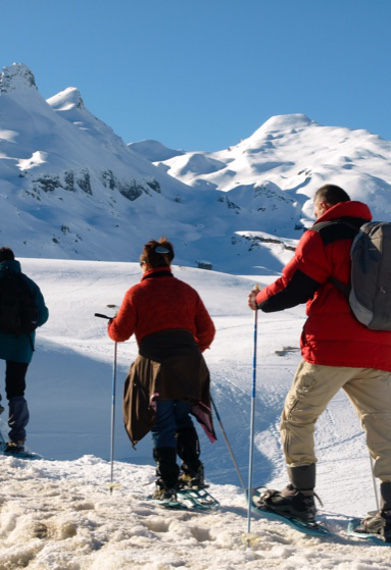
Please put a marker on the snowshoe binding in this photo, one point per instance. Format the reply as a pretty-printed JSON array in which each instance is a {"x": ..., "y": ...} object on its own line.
[
  {"x": 375, "y": 527},
  {"x": 188, "y": 480},
  {"x": 293, "y": 507}
]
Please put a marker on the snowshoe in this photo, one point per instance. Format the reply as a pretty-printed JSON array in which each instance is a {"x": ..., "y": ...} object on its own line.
[
  {"x": 18, "y": 451},
  {"x": 166, "y": 498},
  {"x": 14, "y": 448},
  {"x": 290, "y": 503},
  {"x": 298, "y": 513},
  {"x": 198, "y": 499},
  {"x": 375, "y": 527}
]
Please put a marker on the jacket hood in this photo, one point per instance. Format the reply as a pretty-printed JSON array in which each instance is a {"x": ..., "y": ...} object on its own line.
[
  {"x": 351, "y": 209},
  {"x": 13, "y": 266}
]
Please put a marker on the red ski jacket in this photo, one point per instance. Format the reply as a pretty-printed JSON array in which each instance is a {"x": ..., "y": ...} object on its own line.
[
  {"x": 331, "y": 335},
  {"x": 162, "y": 302}
]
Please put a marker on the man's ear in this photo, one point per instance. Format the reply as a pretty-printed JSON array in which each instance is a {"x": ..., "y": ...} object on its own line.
[{"x": 326, "y": 206}]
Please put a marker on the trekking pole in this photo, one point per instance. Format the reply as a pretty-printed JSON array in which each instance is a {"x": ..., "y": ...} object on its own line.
[
  {"x": 228, "y": 444},
  {"x": 251, "y": 454},
  {"x": 374, "y": 484},
  {"x": 113, "y": 394},
  {"x": 113, "y": 417}
]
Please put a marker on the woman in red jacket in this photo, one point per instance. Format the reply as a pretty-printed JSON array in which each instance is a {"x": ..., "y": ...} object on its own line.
[{"x": 169, "y": 379}]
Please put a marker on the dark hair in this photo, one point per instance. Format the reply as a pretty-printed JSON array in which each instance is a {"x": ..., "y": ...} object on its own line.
[
  {"x": 157, "y": 253},
  {"x": 6, "y": 254},
  {"x": 331, "y": 194}
]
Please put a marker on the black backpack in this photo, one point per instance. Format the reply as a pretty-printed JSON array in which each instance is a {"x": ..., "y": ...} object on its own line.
[
  {"x": 18, "y": 310},
  {"x": 370, "y": 295},
  {"x": 369, "y": 291}
]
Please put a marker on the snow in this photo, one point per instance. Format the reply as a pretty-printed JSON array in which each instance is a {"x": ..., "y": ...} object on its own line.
[{"x": 58, "y": 513}]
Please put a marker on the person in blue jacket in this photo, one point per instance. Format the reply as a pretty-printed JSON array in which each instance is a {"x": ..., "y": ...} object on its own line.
[{"x": 17, "y": 351}]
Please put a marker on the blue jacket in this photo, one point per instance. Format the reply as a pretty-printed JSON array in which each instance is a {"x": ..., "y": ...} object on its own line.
[{"x": 20, "y": 348}]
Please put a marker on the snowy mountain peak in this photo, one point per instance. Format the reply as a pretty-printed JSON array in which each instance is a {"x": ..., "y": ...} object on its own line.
[
  {"x": 68, "y": 99},
  {"x": 282, "y": 124},
  {"x": 16, "y": 77}
]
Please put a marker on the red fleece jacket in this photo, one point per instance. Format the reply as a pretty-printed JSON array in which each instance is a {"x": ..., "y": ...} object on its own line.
[
  {"x": 331, "y": 334},
  {"x": 162, "y": 302}
]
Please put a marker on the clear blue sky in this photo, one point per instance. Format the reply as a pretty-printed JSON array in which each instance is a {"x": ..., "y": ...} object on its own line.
[{"x": 203, "y": 74}]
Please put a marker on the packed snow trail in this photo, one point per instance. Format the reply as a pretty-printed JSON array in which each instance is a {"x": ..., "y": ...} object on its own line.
[{"x": 60, "y": 515}]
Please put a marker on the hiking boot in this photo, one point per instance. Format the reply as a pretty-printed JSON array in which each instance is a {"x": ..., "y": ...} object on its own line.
[
  {"x": 163, "y": 493},
  {"x": 14, "y": 447},
  {"x": 378, "y": 523},
  {"x": 167, "y": 469},
  {"x": 386, "y": 515},
  {"x": 195, "y": 481},
  {"x": 385, "y": 491},
  {"x": 289, "y": 502}
]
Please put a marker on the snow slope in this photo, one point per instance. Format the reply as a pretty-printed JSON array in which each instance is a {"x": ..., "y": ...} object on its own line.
[{"x": 57, "y": 513}]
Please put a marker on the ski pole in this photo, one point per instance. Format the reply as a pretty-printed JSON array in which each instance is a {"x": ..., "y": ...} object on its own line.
[
  {"x": 228, "y": 444},
  {"x": 113, "y": 418},
  {"x": 251, "y": 454},
  {"x": 374, "y": 483},
  {"x": 113, "y": 394}
]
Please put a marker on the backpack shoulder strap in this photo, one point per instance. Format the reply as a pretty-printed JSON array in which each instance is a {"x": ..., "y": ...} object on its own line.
[
  {"x": 345, "y": 289},
  {"x": 355, "y": 227}
]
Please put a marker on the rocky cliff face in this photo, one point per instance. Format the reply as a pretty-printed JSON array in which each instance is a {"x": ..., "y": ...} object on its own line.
[{"x": 16, "y": 77}]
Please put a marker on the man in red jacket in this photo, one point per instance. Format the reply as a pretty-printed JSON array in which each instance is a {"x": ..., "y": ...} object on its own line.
[{"x": 338, "y": 352}]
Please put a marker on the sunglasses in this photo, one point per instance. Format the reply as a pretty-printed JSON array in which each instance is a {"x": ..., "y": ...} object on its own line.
[
  {"x": 158, "y": 249},
  {"x": 161, "y": 249}
]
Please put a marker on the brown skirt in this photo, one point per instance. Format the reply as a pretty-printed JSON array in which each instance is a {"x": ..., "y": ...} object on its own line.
[{"x": 170, "y": 366}]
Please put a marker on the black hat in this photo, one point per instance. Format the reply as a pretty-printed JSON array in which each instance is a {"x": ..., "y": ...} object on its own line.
[{"x": 6, "y": 254}]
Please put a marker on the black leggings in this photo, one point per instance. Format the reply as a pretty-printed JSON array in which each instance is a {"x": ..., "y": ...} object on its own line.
[
  {"x": 15, "y": 386},
  {"x": 15, "y": 379}
]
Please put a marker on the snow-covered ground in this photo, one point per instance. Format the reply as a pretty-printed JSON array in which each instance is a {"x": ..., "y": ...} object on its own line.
[{"x": 57, "y": 513}]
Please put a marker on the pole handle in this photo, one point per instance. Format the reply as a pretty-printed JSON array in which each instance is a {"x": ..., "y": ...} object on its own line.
[
  {"x": 102, "y": 316},
  {"x": 256, "y": 288}
]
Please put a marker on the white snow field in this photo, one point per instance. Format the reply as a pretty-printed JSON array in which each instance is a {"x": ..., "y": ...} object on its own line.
[{"x": 58, "y": 513}]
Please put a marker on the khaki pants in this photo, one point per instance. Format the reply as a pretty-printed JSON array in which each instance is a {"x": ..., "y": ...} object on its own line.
[{"x": 313, "y": 387}]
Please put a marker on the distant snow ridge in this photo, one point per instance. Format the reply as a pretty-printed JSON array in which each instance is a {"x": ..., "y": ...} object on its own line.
[{"x": 154, "y": 150}]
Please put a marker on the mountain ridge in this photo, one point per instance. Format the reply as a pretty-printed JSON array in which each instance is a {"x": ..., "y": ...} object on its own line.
[{"x": 72, "y": 188}]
